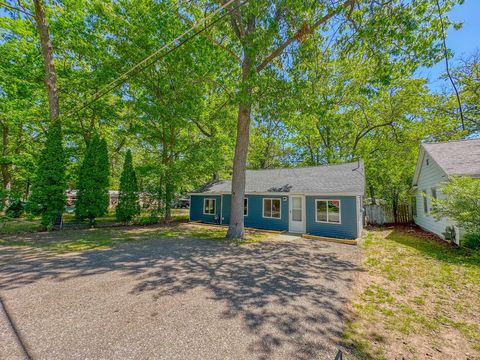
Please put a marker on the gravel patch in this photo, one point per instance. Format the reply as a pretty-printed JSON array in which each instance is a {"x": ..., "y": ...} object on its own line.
[{"x": 179, "y": 299}]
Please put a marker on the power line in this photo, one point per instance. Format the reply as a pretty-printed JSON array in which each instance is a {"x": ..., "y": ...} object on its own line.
[
  {"x": 155, "y": 57},
  {"x": 447, "y": 66}
]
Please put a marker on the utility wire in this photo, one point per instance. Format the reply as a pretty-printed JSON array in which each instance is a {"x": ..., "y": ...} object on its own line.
[
  {"x": 155, "y": 57},
  {"x": 447, "y": 66}
]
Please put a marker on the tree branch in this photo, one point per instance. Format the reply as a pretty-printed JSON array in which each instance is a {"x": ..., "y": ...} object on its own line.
[
  {"x": 302, "y": 32},
  {"x": 457, "y": 95},
  {"x": 212, "y": 39},
  {"x": 17, "y": 9}
]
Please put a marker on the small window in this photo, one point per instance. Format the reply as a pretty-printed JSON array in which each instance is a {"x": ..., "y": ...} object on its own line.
[
  {"x": 427, "y": 161},
  {"x": 209, "y": 206},
  {"x": 328, "y": 211},
  {"x": 271, "y": 208},
  {"x": 245, "y": 207},
  {"x": 434, "y": 197},
  {"x": 425, "y": 201}
]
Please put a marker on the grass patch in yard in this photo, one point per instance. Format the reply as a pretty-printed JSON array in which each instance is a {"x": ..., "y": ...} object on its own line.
[
  {"x": 423, "y": 296},
  {"x": 20, "y": 225},
  {"x": 32, "y": 224},
  {"x": 103, "y": 238}
]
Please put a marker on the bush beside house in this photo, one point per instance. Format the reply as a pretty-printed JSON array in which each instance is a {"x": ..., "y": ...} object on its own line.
[{"x": 462, "y": 204}]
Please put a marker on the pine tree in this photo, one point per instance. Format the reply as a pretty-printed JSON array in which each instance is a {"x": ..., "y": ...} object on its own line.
[
  {"x": 128, "y": 205},
  {"x": 48, "y": 187},
  {"x": 92, "y": 197},
  {"x": 104, "y": 175}
]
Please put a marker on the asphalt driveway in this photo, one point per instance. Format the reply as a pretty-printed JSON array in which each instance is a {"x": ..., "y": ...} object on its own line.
[{"x": 178, "y": 299}]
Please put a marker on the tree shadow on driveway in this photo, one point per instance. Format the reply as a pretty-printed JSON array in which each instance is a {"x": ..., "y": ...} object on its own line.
[{"x": 288, "y": 295}]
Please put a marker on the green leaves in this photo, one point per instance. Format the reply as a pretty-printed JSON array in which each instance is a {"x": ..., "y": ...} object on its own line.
[
  {"x": 93, "y": 183},
  {"x": 48, "y": 187},
  {"x": 461, "y": 203},
  {"x": 128, "y": 206}
]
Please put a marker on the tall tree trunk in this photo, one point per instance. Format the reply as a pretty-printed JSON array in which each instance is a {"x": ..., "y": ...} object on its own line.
[
  {"x": 50, "y": 73},
  {"x": 372, "y": 194},
  {"x": 243, "y": 28},
  {"x": 168, "y": 196},
  {"x": 236, "y": 228},
  {"x": 47, "y": 53}
]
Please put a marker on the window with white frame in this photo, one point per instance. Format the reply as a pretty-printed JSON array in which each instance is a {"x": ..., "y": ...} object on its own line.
[
  {"x": 245, "y": 207},
  {"x": 328, "y": 211},
  {"x": 209, "y": 206},
  {"x": 271, "y": 208}
]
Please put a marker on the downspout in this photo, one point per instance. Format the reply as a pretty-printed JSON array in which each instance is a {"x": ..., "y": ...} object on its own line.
[{"x": 221, "y": 208}]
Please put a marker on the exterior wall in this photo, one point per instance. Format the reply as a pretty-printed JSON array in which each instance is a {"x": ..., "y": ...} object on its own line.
[
  {"x": 349, "y": 226},
  {"x": 360, "y": 215},
  {"x": 196, "y": 208},
  {"x": 431, "y": 176},
  {"x": 254, "y": 218}
]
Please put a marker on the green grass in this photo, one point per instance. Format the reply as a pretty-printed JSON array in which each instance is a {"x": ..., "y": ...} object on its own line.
[
  {"x": 414, "y": 288},
  {"x": 19, "y": 226},
  {"x": 104, "y": 238},
  {"x": 27, "y": 225}
]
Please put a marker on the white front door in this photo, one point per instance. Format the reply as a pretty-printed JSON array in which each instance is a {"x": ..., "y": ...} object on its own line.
[{"x": 297, "y": 214}]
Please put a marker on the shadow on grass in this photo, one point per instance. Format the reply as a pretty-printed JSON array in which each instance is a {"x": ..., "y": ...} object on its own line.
[
  {"x": 436, "y": 249},
  {"x": 102, "y": 238},
  {"x": 289, "y": 296}
]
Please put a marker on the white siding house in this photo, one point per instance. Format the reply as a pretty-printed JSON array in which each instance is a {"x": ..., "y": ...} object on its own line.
[{"x": 436, "y": 163}]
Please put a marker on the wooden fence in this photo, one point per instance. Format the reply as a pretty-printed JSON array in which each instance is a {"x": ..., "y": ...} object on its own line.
[{"x": 384, "y": 214}]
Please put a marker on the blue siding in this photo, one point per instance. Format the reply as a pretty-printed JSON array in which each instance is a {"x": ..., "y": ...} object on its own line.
[
  {"x": 227, "y": 201},
  {"x": 196, "y": 208},
  {"x": 254, "y": 218},
  {"x": 348, "y": 227}
]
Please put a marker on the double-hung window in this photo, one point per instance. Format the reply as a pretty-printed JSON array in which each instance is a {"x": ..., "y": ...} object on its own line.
[
  {"x": 209, "y": 206},
  {"x": 328, "y": 211},
  {"x": 271, "y": 208}
]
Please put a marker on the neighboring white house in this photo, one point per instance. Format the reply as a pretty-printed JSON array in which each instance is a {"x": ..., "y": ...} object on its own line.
[{"x": 436, "y": 163}]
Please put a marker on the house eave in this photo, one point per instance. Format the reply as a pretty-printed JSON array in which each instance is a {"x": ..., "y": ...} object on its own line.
[{"x": 280, "y": 194}]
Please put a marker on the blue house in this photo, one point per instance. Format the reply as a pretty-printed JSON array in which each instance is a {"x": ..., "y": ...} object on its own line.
[{"x": 321, "y": 200}]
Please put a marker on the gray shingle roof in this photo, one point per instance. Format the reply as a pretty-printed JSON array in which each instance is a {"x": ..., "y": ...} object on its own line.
[
  {"x": 456, "y": 157},
  {"x": 329, "y": 179}
]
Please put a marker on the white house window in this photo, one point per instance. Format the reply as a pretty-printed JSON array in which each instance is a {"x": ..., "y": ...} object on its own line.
[
  {"x": 271, "y": 208},
  {"x": 209, "y": 206},
  {"x": 245, "y": 207},
  {"x": 425, "y": 201},
  {"x": 328, "y": 211}
]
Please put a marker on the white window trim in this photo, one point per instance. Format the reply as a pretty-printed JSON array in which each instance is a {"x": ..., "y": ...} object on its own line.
[
  {"x": 214, "y": 206},
  {"x": 263, "y": 209},
  {"x": 339, "y": 212},
  {"x": 245, "y": 207}
]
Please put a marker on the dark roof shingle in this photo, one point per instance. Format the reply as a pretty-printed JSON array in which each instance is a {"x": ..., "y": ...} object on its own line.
[{"x": 329, "y": 179}]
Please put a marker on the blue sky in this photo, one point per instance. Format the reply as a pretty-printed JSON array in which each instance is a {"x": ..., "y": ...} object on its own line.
[{"x": 463, "y": 42}]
